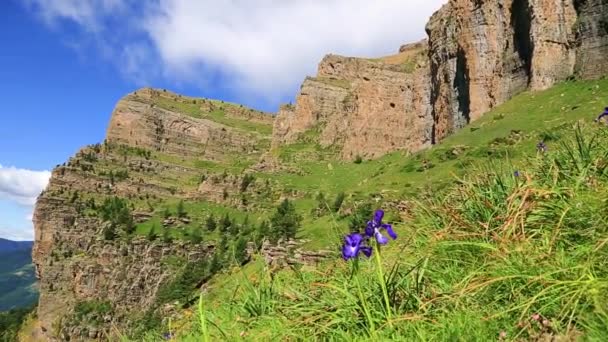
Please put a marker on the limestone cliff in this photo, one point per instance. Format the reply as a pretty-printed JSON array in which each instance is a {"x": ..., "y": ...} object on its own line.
[
  {"x": 155, "y": 119},
  {"x": 478, "y": 55},
  {"x": 368, "y": 107},
  {"x": 160, "y": 147}
]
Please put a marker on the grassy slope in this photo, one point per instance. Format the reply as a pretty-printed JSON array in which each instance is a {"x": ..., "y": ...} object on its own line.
[
  {"x": 476, "y": 260},
  {"x": 491, "y": 138}
]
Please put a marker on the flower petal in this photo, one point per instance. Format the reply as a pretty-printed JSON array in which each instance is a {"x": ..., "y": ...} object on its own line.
[
  {"x": 390, "y": 231},
  {"x": 369, "y": 230},
  {"x": 378, "y": 215},
  {"x": 381, "y": 238},
  {"x": 366, "y": 250},
  {"x": 348, "y": 252},
  {"x": 347, "y": 240},
  {"x": 355, "y": 239}
]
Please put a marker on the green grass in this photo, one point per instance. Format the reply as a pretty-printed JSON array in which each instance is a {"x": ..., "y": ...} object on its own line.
[
  {"x": 534, "y": 114},
  {"x": 480, "y": 260},
  {"x": 479, "y": 254},
  {"x": 334, "y": 82},
  {"x": 197, "y": 212},
  {"x": 479, "y": 250},
  {"x": 219, "y": 115}
]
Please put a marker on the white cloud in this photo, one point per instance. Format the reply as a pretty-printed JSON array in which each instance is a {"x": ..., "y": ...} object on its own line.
[
  {"x": 260, "y": 48},
  {"x": 268, "y": 46},
  {"x": 87, "y": 13},
  {"x": 17, "y": 234},
  {"x": 22, "y": 186}
]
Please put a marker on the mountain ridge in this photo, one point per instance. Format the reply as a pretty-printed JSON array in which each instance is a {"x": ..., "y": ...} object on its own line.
[{"x": 170, "y": 163}]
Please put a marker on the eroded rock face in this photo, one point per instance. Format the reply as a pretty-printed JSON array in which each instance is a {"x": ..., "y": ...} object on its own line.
[
  {"x": 484, "y": 52},
  {"x": 366, "y": 107},
  {"x": 74, "y": 264},
  {"x": 154, "y": 143},
  {"x": 141, "y": 120},
  {"x": 479, "y": 54}
]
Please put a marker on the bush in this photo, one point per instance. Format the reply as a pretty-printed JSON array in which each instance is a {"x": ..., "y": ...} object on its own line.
[
  {"x": 246, "y": 181},
  {"x": 211, "y": 224},
  {"x": 285, "y": 222},
  {"x": 116, "y": 211},
  {"x": 11, "y": 321},
  {"x": 338, "y": 202},
  {"x": 225, "y": 224},
  {"x": 181, "y": 211},
  {"x": 358, "y": 159}
]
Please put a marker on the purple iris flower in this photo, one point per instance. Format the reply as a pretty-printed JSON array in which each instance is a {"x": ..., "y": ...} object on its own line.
[
  {"x": 516, "y": 174},
  {"x": 353, "y": 244},
  {"x": 605, "y": 113},
  {"x": 541, "y": 147},
  {"x": 375, "y": 226},
  {"x": 167, "y": 336}
]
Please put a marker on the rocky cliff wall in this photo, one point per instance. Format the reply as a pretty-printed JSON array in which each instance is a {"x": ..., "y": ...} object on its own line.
[
  {"x": 478, "y": 55},
  {"x": 159, "y": 148},
  {"x": 155, "y": 119},
  {"x": 77, "y": 266},
  {"x": 368, "y": 107}
]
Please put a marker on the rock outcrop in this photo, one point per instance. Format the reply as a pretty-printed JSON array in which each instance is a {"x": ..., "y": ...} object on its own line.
[
  {"x": 478, "y": 55},
  {"x": 155, "y": 119},
  {"x": 368, "y": 107},
  {"x": 95, "y": 273}
]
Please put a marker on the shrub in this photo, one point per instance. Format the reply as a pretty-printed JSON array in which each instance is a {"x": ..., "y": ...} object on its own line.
[
  {"x": 116, "y": 211},
  {"x": 285, "y": 222},
  {"x": 180, "y": 210},
  {"x": 225, "y": 224},
  {"x": 211, "y": 224},
  {"x": 338, "y": 202},
  {"x": 246, "y": 181},
  {"x": 358, "y": 159}
]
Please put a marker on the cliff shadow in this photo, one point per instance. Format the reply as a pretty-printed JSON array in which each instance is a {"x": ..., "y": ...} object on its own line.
[{"x": 521, "y": 23}]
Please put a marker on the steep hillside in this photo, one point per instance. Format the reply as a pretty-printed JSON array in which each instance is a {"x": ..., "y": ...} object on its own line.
[
  {"x": 184, "y": 191},
  {"x": 17, "y": 279},
  {"x": 119, "y": 218},
  {"x": 497, "y": 239}
]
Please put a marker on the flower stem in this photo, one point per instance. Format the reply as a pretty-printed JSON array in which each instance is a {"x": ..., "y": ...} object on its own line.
[
  {"x": 380, "y": 274},
  {"x": 203, "y": 320},
  {"x": 370, "y": 321}
]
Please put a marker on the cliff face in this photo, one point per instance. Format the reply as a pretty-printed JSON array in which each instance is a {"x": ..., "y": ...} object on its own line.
[
  {"x": 368, "y": 107},
  {"x": 155, "y": 119},
  {"x": 478, "y": 55},
  {"x": 160, "y": 148}
]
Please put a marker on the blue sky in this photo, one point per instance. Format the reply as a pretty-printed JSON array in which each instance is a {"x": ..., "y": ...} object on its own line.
[{"x": 65, "y": 63}]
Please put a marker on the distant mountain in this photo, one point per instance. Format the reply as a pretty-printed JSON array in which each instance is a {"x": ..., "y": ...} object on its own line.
[
  {"x": 17, "y": 277},
  {"x": 11, "y": 246}
]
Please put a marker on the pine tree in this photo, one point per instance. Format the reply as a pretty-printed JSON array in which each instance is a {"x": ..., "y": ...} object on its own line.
[
  {"x": 152, "y": 233},
  {"x": 181, "y": 211},
  {"x": 285, "y": 222},
  {"x": 240, "y": 250},
  {"x": 167, "y": 236},
  {"x": 195, "y": 236},
  {"x": 211, "y": 224},
  {"x": 225, "y": 224},
  {"x": 109, "y": 233}
]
